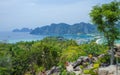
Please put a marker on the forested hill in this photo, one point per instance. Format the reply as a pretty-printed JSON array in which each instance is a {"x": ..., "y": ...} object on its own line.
[{"x": 63, "y": 28}]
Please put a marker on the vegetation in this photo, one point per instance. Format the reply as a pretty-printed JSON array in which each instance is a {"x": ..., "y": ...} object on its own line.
[
  {"x": 33, "y": 57},
  {"x": 107, "y": 17}
]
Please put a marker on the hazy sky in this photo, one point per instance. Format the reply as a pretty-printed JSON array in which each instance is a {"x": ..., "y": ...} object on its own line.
[{"x": 36, "y": 13}]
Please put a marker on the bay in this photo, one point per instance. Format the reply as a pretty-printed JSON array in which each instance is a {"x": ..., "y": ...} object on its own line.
[{"x": 13, "y": 37}]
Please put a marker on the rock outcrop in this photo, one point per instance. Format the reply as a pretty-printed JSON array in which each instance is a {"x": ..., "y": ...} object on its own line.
[{"x": 117, "y": 51}]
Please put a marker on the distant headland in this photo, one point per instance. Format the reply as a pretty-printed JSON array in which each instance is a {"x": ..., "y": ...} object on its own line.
[
  {"x": 61, "y": 28},
  {"x": 22, "y": 30}
]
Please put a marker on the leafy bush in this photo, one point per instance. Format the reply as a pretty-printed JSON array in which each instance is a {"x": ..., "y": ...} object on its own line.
[{"x": 94, "y": 49}]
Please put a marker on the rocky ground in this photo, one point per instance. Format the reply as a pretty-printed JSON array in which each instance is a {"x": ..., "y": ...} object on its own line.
[
  {"x": 74, "y": 67},
  {"x": 110, "y": 70}
]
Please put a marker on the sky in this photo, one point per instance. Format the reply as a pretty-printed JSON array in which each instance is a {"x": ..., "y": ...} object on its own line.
[{"x": 37, "y": 13}]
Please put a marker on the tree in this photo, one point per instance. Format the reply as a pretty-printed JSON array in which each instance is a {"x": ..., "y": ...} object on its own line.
[{"x": 106, "y": 17}]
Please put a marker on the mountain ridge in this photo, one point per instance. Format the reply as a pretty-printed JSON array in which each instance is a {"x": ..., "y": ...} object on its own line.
[{"x": 64, "y": 28}]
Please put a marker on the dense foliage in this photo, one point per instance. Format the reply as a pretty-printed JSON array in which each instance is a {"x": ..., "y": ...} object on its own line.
[{"x": 32, "y": 57}]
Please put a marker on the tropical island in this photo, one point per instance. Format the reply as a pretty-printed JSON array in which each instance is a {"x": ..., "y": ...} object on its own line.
[
  {"x": 63, "y": 28},
  {"x": 61, "y": 56}
]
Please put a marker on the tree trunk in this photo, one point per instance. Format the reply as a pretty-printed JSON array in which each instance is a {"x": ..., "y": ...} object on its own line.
[
  {"x": 112, "y": 55},
  {"x": 111, "y": 48}
]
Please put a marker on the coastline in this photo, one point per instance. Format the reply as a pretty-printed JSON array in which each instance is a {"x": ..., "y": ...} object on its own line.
[
  {"x": 13, "y": 37},
  {"x": 98, "y": 41},
  {"x": 102, "y": 40}
]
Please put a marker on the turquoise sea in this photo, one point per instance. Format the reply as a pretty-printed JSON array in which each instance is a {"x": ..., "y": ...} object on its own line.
[{"x": 13, "y": 37}]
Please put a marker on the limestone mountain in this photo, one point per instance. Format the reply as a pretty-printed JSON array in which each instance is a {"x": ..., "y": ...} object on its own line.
[{"x": 63, "y": 28}]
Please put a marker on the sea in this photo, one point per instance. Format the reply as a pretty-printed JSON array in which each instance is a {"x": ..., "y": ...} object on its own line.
[{"x": 13, "y": 37}]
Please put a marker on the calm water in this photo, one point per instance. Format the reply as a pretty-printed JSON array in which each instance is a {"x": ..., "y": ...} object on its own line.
[{"x": 13, "y": 37}]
